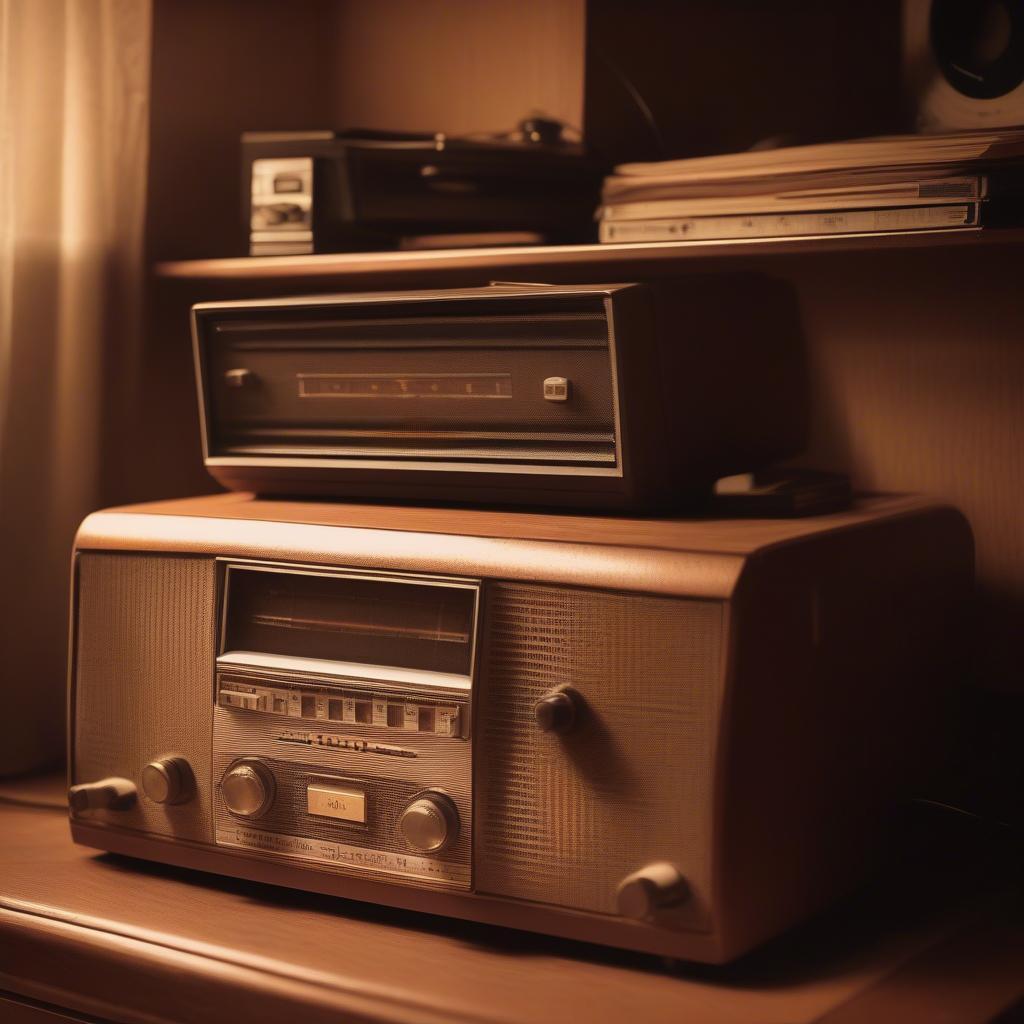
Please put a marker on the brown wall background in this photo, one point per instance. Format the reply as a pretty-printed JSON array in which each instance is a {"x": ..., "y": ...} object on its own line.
[{"x": 457, "y": 66}]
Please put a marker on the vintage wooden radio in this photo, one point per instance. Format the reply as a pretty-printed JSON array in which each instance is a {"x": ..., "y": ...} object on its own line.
[{"x": 674, "y": 736}]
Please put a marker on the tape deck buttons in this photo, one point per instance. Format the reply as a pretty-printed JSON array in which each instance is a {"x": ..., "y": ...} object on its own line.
[{"x": 248, "y": 788}]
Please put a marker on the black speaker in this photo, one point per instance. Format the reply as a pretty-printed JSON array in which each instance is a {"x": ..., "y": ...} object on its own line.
[{"x": 964, "y": 62}]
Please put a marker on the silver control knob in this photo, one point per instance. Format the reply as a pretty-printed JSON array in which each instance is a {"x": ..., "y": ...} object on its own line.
[
  {"x": 168, "y": 780},
  {"x": 652, "y": 888},
  {"x": 248, "y": 788},
  {"x": 113, "y": 794},
  {"x": 429, "y": 823}
]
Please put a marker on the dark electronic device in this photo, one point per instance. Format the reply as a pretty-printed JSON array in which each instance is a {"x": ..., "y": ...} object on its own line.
[
  {"x": 596, "y": 396},
  {"x": 964, "y": 62},
  {"x": 325, "y": 191}
]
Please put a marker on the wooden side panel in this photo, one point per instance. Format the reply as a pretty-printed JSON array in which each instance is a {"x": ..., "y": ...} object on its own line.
[{"x": 839, "y": 712}]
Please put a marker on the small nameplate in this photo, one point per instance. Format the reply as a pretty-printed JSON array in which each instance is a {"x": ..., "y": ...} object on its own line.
[{"x": 335, "y": 802}]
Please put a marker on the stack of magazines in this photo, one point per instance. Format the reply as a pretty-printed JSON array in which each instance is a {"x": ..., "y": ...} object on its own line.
[{"x": 890, "y": 183}]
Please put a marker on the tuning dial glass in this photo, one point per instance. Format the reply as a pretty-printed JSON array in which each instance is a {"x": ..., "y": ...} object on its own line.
[
  {"x": 248, "y": 788},
  {"x": 429, "y": 823}
]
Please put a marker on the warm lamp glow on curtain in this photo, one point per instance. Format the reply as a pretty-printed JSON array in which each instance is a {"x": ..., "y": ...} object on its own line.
[{"x": 74, "y": 93}]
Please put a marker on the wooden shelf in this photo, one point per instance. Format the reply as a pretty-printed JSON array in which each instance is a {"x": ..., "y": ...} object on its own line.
[
  {"x": 659, "y": 258},
  {"x": 97, "y": 933}
]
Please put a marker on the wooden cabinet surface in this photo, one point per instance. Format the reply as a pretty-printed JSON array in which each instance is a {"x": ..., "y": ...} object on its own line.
[{"x": 113, "y": 939}]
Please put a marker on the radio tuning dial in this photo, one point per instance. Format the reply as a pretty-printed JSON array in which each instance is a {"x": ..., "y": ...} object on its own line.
[
  {"x": 557, "y": 711},
  {"x": 429, "y": 823},
  {"x": 167, "y": 780},
  {"x": 652, "y": 888},
  {"x": 248, "y": 788}
]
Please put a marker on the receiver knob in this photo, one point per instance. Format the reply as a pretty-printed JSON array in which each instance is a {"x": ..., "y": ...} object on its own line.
[
  {"x": 168, "y": 780},
  {"x": 240, "y": 378},
  {"x": 557, "y": 711},
  {"x": 113, "y": 794},
  {"x": 650, "y": 889},
  {"x": 248, "y": 788},
  {"x": 429, "y": 823}
]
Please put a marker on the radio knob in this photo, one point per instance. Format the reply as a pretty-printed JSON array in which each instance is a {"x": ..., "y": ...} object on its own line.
[
  {"x": 429, "y": 823},
  {"x": 113, "y": 794},
  {"x": 168, "y": 780},
  {"x": 240, "y": 378},
  {"x": 652, "y": 888},
  {"x": 557, "y": 711},
  {"x": 248, "y": 788}
]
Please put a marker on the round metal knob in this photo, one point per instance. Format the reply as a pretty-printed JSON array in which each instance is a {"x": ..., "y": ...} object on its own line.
[
  {"x": 168, "y": 780},
  {"x": 429, "y": 823},
  {"x": 557, "y": 711},
  {"x": 652, "y": 888},
  {"x": 248, "y": 788}
]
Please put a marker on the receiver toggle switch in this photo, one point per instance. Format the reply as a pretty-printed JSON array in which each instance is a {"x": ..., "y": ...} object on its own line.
[
  {"x": 113, "y": 794},
  {"x": 652, "y": 888},
  {"x": 557, "y": 711}
]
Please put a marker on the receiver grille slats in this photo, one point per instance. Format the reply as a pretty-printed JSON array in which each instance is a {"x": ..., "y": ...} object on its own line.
[{"x": 562, "y": 820}]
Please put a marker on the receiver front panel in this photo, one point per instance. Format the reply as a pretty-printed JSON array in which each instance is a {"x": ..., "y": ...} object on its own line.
[
  {"x": 549, "y": 819},
  {"x": 387, "y": 781},
  {"x": 562, "y": 819},
  {"x": 437, "y": 381}
]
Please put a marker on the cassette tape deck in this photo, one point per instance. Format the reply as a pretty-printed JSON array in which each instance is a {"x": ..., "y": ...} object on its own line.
[{"x": 666, "y": 735}]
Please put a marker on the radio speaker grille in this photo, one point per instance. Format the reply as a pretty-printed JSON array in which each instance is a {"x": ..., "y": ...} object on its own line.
[
  {"x": 561, "y": 819},
  {"x": 144, "y": 679}
]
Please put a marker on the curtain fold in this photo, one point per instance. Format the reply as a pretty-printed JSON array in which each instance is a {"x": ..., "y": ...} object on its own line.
[{"x": 74, "y": 94}]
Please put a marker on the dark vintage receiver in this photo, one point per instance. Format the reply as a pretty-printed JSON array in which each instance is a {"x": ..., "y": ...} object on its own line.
[
  {"x": 591, "y": 396},
  {"x": 677, "y": 737}
]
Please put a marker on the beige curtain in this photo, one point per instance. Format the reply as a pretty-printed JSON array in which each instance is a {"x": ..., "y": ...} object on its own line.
[{"x": 74, "y": 83}]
